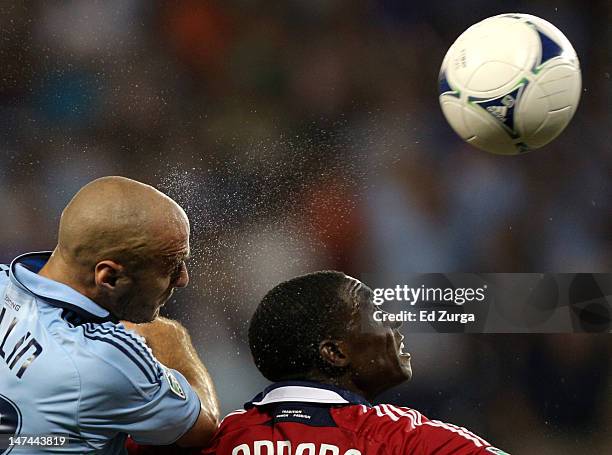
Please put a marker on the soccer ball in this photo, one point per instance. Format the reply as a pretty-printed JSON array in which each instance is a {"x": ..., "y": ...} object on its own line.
[{"x": 510, "y": 83}]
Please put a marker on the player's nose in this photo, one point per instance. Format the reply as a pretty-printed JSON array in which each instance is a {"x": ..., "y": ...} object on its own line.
[
  {"x": 395, "y": 324},
  {"x": 392, "y": 323}
]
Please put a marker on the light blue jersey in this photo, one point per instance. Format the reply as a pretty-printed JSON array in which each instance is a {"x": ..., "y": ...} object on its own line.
[{"x": 68, "y": 368}]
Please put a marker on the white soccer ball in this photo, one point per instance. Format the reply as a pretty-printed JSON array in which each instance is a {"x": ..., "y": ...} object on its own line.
[{"x": 510, "y": 83}]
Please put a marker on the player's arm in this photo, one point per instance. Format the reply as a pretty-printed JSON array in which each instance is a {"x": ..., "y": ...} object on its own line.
[{"x": 172, "y": 346}]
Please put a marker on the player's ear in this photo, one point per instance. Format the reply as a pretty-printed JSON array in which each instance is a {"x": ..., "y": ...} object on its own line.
[
  {"x": 110, "y": 277},
  {"x": 334, "y": 352}
]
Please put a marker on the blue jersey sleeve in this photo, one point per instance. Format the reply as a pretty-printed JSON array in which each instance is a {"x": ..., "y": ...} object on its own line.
[{"x": 124, "y": 389}]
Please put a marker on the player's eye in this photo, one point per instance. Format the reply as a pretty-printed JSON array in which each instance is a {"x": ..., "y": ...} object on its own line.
[{"x": 176, "y": 271}]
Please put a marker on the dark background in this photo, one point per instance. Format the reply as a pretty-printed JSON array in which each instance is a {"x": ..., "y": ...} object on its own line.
[{"x": 306, "y": 134}]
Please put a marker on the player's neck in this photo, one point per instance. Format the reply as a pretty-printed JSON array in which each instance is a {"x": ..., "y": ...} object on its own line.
[
  {"x": 344, "y": 382},
  {"x": 56, "y": 269}
]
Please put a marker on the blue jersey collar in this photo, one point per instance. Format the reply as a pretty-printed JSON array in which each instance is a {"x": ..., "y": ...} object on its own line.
[
  {"x": 23, "y": 273},
  {"x": 305, "y": 392}
]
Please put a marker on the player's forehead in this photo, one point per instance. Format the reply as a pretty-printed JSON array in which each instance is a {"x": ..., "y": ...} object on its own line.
[{"x": 174, "y": 249}]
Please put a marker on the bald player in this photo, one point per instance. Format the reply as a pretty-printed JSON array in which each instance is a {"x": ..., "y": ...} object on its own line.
[{"x": 73, "y": 379}]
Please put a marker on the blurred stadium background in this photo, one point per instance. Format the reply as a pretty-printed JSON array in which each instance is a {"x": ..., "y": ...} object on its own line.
[{"x": 303, "y": 135}]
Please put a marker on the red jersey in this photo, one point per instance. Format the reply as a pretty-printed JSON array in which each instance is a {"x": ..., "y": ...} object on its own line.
[{"x": 307, "y": 418}]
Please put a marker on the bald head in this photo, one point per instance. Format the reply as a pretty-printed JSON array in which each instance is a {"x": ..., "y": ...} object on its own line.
[
  {"x": 123, "y": 244},
  {"x": 120, "y": 219}
]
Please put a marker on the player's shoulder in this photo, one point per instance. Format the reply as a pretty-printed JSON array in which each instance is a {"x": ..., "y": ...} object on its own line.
[
  {"x": 233, "y": 425},
  {"x": 109, "y": 352},
  {"x": 389, "y": 426},
  {"x": 380, "y": 420},
  {"x": 241, "y": 418},
  {"x": 237, "y": 415}
]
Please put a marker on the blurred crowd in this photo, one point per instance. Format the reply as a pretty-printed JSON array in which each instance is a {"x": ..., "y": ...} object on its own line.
[{"x": 304, "y": 135}]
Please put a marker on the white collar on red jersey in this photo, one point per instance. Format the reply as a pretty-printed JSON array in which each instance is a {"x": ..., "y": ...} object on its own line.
[{"x": 305, "y": 392}]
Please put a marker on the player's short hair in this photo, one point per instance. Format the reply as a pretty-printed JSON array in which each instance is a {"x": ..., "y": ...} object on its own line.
[{"x": 291, "y": 321}]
